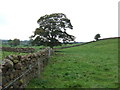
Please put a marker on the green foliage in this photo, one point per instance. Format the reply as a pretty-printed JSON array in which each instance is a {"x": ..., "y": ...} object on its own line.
[
  {"x": 94, "y": 65},
  {"x": 31, "y": 42},
  {"x": 10, "y": 42},
  {"x": 52, "y": 30},
  {"x": 97, "y": 36},
  {"x": 14, "y": 42}
]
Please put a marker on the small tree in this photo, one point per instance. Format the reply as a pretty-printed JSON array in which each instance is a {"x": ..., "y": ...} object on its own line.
[
  {"x": 97, "y": 36},
  {"x": 16, "y": 42},
  {"x": 10, "y": 42},
  {"x": 52, "y": 30}
]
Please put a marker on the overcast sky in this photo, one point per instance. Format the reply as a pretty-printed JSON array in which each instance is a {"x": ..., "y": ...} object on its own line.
[{"x": 18, "y": 18}]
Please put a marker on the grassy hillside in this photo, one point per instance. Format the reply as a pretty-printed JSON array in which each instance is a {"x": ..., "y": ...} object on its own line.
[{"x": 94, "y": 65}]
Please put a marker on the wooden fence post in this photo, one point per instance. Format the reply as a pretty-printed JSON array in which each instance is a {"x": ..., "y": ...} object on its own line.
[{"x": 49, "y": 52}]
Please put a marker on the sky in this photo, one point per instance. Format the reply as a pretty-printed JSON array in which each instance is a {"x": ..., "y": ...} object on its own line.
[{"x": 18, "y": 18}]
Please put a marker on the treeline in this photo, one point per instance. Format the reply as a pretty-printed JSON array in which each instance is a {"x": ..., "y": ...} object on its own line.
[{"x": 15, "y": 42}]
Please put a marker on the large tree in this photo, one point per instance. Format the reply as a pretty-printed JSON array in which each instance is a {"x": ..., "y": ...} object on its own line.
[{"x": 52, "y": 30}]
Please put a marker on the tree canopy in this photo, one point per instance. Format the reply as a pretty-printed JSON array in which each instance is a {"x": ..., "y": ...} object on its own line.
[
  {"x": 52, "y": 30},
  {"x": 14, "y": 42},
  {"x": 97, "y": 36}
]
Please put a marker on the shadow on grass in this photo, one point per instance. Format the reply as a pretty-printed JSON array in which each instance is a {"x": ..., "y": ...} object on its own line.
[{"x": 59, "y": 51}]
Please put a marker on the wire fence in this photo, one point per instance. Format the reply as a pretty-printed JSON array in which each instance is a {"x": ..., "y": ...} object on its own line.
[
  {"x": 33, "y": 70},
  {"x": 23, "y": 74}
]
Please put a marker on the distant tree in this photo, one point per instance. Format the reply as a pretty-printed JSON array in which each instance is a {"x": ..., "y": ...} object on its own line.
[
  {"x": 52, "y": 30},
  {"x": 16, "y": 42},
  {"x": 97, "y": 36},
  {"x": 31, "y": 42},
  {"x": 10, "y": 42}
]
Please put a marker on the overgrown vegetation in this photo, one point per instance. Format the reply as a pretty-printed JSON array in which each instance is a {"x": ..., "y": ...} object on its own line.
[{"x": 94, "y": 65}]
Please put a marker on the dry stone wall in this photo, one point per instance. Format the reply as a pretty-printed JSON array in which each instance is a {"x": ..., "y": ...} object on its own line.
[
  {"x": 18, "y": 70},
  {"x": 21, "y": 50}
]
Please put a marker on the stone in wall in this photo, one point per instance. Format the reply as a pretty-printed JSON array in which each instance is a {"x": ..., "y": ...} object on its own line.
[{"x": 15, "y": 65}]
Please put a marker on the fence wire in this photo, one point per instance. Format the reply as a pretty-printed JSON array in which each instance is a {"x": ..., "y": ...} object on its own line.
[
  {"x": 12, "y": 82},
  {"x": 37, "y": 64}
]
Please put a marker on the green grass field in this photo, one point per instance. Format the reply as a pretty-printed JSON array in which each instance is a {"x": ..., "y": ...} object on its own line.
[
  {"x": 6, "y": 53},
  {"x": 3, "y": 54},
  {"x": 94, "y": 65}
]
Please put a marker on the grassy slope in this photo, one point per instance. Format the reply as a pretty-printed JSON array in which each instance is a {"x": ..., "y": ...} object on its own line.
[{"x": 94, "y": 65}]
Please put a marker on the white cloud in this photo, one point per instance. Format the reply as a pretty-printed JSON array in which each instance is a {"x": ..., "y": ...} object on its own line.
[{"x": 88, "y": 17}]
